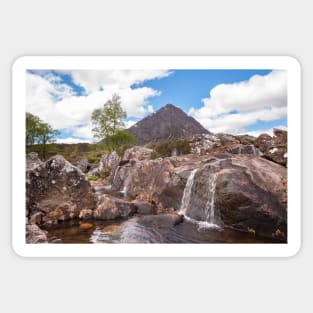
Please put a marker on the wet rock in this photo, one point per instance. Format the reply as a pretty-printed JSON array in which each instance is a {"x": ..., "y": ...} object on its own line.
[
  {"x": 162, "y": 220},
  {"x": 244, "y": 192},
  {"x": 137, "y": 153},
  {"x": 85, "y": 226},
  {"x": 109, "y": 208},
  {"x": 59, "y": 190},
  {"x": 35, "y": 235},
  {"x": 144, "y": 207}
]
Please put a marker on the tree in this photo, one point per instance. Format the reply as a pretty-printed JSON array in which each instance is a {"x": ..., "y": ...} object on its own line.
[
  {"x": 108, "y": 124},
  {"x": 38, "y": 132},
  {"x": 109, "y": 119},
  {"x": 46, "y": 134},
  {"x": 32, "y": 123}
]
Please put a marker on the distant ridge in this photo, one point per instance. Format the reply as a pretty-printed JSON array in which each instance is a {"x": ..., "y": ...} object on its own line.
[{"x": 168, "y": 122}]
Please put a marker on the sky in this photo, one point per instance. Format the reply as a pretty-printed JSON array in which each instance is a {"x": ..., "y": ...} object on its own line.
[{"x": 229, "y": 101}]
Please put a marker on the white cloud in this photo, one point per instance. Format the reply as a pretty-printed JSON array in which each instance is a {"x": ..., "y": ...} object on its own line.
[
  {"x": 72, "y": 140},
  {"x": 56, "y": 103},
  {"x": 232, "y": 107},
  {"x": 92, "y": 80}
]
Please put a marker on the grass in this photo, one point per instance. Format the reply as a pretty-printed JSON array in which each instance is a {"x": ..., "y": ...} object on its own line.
[{"x": 71, "y": 152}]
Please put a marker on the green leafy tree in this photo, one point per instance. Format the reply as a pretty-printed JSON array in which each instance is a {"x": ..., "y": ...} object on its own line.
[
  {"x": 38, "y": 132},
  {"x": 108, "y": 124},
  {"x": 32, "y": 123},
  {"x": 46, "y": 134},
  {"x": 109, "y": 119}
]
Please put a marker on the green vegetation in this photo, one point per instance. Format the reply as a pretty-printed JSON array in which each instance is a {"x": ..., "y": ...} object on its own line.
[
  {"x": 166, "y": 148},
  {"x": 108, "y": 125},
  {"x": 38, "y": 132},
  {"x": 71, "y": 152},
  {"x": 92, "y": 177}
]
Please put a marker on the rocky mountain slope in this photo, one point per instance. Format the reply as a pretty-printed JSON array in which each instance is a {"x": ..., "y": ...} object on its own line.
[{"x": 167, "y": 122}]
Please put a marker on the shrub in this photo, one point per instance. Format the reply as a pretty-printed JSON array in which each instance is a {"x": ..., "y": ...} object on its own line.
[{"x": 166, "y": 148}]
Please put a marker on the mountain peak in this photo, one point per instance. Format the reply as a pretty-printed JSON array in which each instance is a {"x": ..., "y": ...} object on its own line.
[{"x": 168, "y": 122}]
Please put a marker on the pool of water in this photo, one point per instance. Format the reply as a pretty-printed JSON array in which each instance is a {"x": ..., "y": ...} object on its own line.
[{"x": 134, "y": 231}]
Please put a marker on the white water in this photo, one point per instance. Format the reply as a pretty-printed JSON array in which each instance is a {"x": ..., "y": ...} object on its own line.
[
  {"x": 187, "y": 193},
  {"x": 115, "y": 174},
  {"x": 210, "y": 205}
]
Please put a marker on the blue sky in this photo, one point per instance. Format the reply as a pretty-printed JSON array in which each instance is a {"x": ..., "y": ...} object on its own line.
[{"x": 232, "y": 101}]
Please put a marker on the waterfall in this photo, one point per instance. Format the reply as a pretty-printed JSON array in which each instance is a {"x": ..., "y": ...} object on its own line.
[
  {"x": 210, "y": 205},
  {"x": 115, "y": 174},
  {"x": 187, "y": 192},
  {"x": 239, "y": 149},
  {"x": 254, "y": 150}
]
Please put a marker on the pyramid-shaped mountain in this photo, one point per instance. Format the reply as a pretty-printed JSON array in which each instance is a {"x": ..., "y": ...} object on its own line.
[{"x": 168, "y": 122}]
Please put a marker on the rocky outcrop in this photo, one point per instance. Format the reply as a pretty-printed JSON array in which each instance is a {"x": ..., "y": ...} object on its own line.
[
  {"x": 244, "y": 192},
  {"x": 58, "y": 190},
  {"x": 274, "y": 148},
  {"x": 107, "y": 166},
  {"x": 35, "y": 235},
  {"x": 32, "y": 161},
  {"x": 203, "y": 143},
  {"x": 137, "y": 153},
  {"x": 110, "y": 208},
  {"x": 83, "y": 165}
]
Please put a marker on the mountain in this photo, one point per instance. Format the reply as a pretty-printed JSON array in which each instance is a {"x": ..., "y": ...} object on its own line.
[{"x": 167, "y": 122}]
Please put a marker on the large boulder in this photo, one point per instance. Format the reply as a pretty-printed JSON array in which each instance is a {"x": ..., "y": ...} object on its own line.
[
  {"x": 110, "y": 208},
  {"x": 203, "y": 143},
  {"x": 245, "y": 192},
  {"x": 59, "y": 190}
]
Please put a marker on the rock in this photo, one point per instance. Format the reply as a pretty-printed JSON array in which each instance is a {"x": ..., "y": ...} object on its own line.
[
  {"x": 243, "y": 192},
  {"x": 35, "y": 235},
  {"x": 109, "y": 208},
  {"x": 264, "y": 142},
  {"x": 274, "y": 149},
  {"x": 108, "y": 164},
  {"x": 162, "y": 220},
  {"x": 86, "y": 214},
  {"x": 59, "y": 190},
  {"x": 36, "y": 218},
  {"x": 203, "y": 143},
  {"x": 137, "y": 153},
  {"x": 85, "y": 226},
  {"x": 246, "y": 139},
  {"x": 144, "y": 207},
  {"x": 32, "y": 161},
  {"x": 83, "y": 165}
]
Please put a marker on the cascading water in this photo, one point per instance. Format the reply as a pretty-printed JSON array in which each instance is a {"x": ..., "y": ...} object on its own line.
[
  {"x": 210, "y": 205},
  {"x": 115, "y": 174},
  {"x": 187, "y": 193}
]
